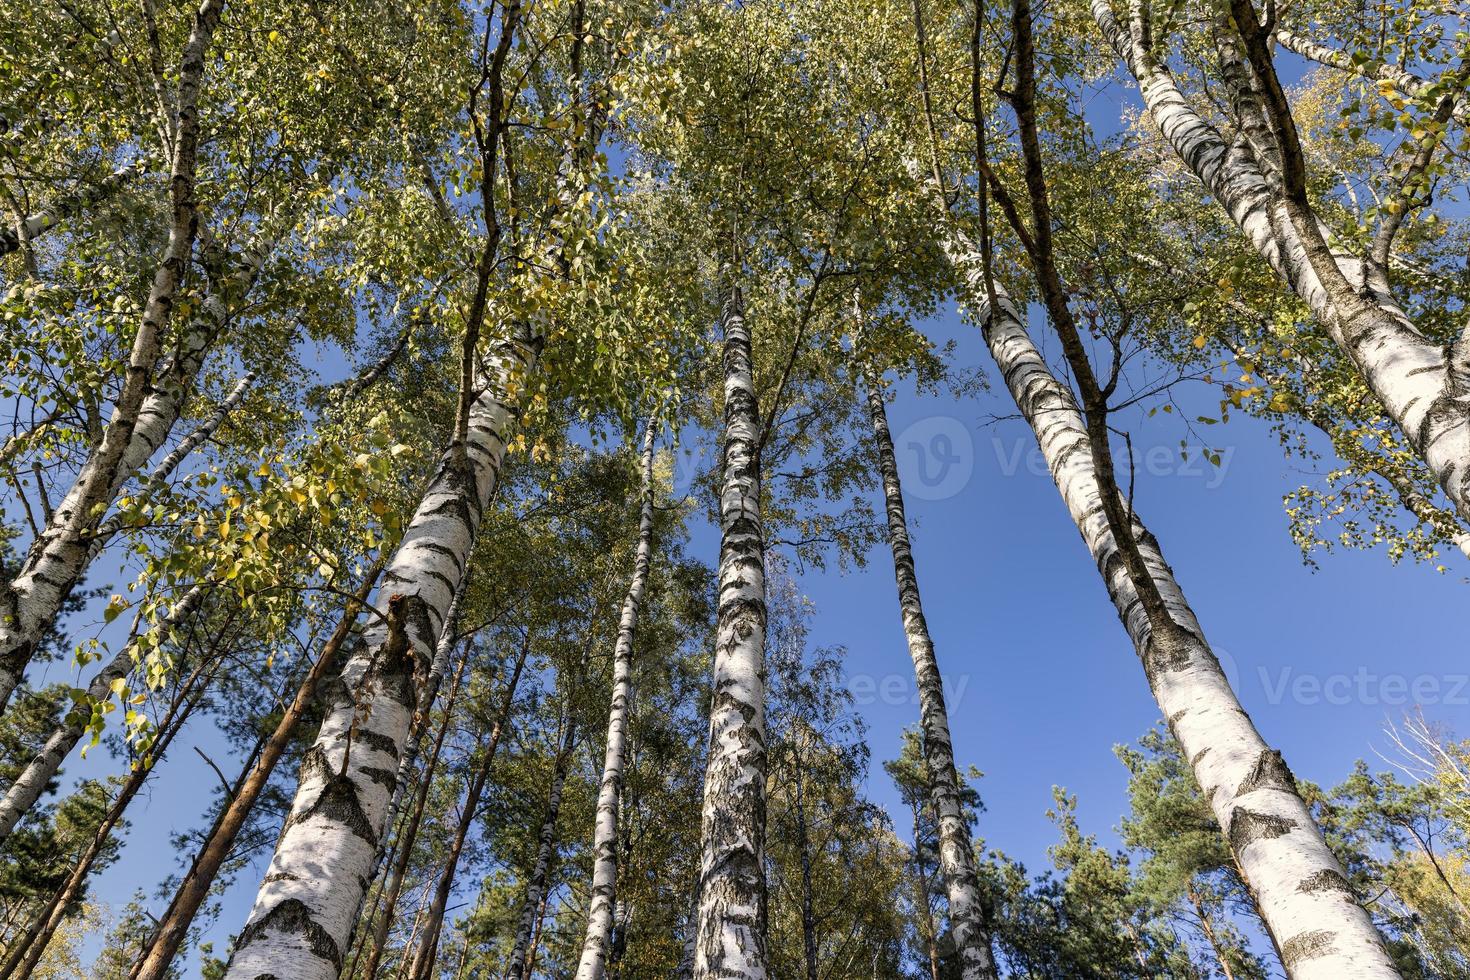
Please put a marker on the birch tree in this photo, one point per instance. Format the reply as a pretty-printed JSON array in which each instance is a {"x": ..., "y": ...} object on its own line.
[
  {"x": 1298, "y": 883},
  {"x": 1259, "y": 174},
  {"x": 35, "y": 594},
  {"x": 605, "y": 839},
  {"x": 957, "y": 855}
]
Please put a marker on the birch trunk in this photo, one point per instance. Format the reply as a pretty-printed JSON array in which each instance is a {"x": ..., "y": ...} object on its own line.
[
  {"x": 1383, "y": 71},
  {"x": 312, "y": 894},
  {"x": 406, "y": 766},
  {"x": 545, "y": 850},
  {"x": 808, "y": 910},
  {"x": 158, "y": 956},
  {"x": 68, "y": 205},
  {"x": 379, "y": 927},
  {"x": 593, "y": 964},
  {"x": 956, "y": 853},
  {"x": 1297, "y": 884},
  {"x": 1423, "y": 388},
  {"x": 31, "y": 602},
  {"x": 730, "y": 938},
  {"x": 156, "y": 480},
  {"x": 59, "y": 558},
  {"x": 423, "y": 961},
  {"x": 31, "y": 783}
]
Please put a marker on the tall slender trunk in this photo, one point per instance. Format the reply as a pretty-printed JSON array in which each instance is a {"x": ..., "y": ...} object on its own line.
[
  {"x": 423, "y": 961},
  {"x": 448, "y": 637},
  {"x": 23, "y": 956},
  {"x": 413, "y": 935},
  {"x": 520, "y": 956},
  {"x": 28, "y": 786},
  {"x": 731, "y": 932},
  {"x": 32, "y": 600},
  {"x": 593, "y": 963},
  {"x": 173, "y": 927},
  {"x": 32, "y": 781},
  {"x": 540, "y": 930},
  {"x": 1423, "y": 388},
  {"x": 1298, "y": 886},
  {"x": 956, "y": 853},
  {"x": 464, "y": 949},
  {"x": 312, "y": 894},
  {"x": 1210, "y": 936},
  {"x": 930, "y": 930}
]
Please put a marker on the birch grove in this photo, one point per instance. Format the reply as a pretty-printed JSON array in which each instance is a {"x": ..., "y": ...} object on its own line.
[{"x": 451, "y": 455}]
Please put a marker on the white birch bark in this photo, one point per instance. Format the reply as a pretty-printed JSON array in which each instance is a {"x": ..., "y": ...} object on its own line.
[
  {"x": 31, "y": 783},
  {"x": 311, "y": 895},
  {"x": 165, "y": 468},
  {"x": 1386, "y": 71},
  {"x": 1423, "y": 388},
  {"x": 731, "y": 932},
  {"x": 66, "y": 206},
  {"x": 956, "y": 854},
  {"x": 603, "y": 903},
  {"x": 58, "y": 560},
  {"x": 534, "y": 903},
  {"x": 406, "y": 766},
  {"x": 1297, "y": 884}
]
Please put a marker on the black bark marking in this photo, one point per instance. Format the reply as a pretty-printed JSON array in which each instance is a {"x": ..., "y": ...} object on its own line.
[
  {"x": 387, "y": 778},
  {"x": 338, "y": 803},
  {"x": 1306, "y": 946},
  {"x": 375, "y": 741},
  {"x": 1325, "y": 880},
  {"x": 294, "y": 918},
  {"x": 1247, "y": 827},
  {"x": 1269, "y": 772},
  {"x": 1161, "y": 657}
]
